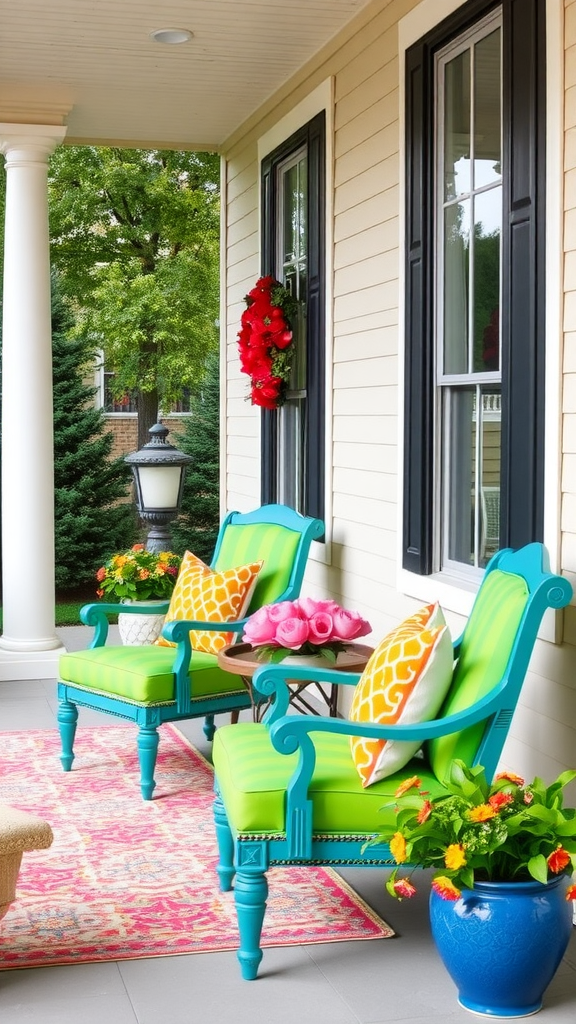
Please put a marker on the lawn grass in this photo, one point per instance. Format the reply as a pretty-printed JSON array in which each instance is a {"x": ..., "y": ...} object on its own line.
[{"x": 68, "y": 613}]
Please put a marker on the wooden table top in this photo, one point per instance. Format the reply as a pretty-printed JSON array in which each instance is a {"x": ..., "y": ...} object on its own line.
[{"x": 241, "y": 660}]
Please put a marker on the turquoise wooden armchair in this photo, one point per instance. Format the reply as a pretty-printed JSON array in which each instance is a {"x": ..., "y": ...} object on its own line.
[
  {"x": 287, "y": 790},
  {"x": 150, "y": 685}
]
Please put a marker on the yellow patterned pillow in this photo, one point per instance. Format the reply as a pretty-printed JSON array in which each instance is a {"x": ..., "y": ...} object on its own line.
[
  {"x": 405, "y": 681},
  {"x": 203, "y": 594}
]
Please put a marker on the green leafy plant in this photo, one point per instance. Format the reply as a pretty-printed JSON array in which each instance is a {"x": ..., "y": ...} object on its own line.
[
  {"x": 138, "y": 574},
  {"x": 507, "y": 831}
]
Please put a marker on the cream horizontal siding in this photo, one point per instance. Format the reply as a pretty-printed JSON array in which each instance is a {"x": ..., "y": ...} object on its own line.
[
  {"x": 365, "y": 456},
  {"x": 372, "y": 91},
  {"x": 365, "y": 483},
  {"x": 368, "y": 344},
  {"x": 358, "y": 429},
  {"x": 383, "y": 373}
]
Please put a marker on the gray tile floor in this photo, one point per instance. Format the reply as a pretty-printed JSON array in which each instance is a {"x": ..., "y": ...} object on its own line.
[{"x": 375, "y": 982}]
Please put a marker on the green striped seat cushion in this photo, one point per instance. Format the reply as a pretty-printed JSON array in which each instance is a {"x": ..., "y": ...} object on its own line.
[
  {"x": 144, "y": 674},
  {"x": 275, "y": 546},
  {"x": 252, "y": 778},
  {"x": 486, "y": 645}
]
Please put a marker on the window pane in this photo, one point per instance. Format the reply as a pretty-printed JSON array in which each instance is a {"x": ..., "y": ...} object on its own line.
[
  {"x": 127, "y": 403},
  {"x": 294, "y": 272},
  {"x": 456, "y": 286},
  {"x": 457, "y": 126},
  {"x": 487, "y": 111},
  {"x": 291, "y": 441},
  {"x": 490, "y": 475},
  {"x": 472, "y": 423},
  {"x": 290, "y": 234},
  {"x": 487, "y": 232},
  {"x": 460, "y": 412}
]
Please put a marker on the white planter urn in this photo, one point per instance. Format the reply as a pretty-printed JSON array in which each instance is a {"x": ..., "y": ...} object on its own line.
[{"x": 136, "y": 630}]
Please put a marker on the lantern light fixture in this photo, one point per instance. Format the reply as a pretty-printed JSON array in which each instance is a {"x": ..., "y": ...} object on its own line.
[{"x": 158, "y": 469}]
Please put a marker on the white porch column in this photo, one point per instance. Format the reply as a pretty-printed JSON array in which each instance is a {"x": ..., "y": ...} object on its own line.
[{"x": 27, "y": 416}]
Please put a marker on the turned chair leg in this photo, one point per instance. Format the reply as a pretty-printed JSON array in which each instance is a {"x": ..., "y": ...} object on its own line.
[
  {"x": 250, "y": 892},
  {"x": 225, "y": 866},
  {"x": 148, "y": 741},
  {"x": 209, "y": 728},
  {"x": 67, "y": 721}
]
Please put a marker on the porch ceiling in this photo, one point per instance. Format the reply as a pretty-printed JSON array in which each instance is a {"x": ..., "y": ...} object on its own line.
[{"x": 91, "y": 64}]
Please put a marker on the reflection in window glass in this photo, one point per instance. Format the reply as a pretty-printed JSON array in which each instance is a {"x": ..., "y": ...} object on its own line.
[
  {"x": 456, "y": 286},
  {"x": 487, "y": 114},
  {"x": 472, "y": 418},
  {"x": 293, "y": 272},
  {"x": 460, "y": 416},
  {"x": 486, "y": 257},
  {"x": 457, "y": 126},
  {"x": 489, "y": 493},
  {"x": 291, "y": 441}
]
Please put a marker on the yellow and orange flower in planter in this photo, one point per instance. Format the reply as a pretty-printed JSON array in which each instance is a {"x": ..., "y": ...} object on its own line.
[
  {"x": 505, "y": 832},
  {"x": 138, "y": 575}
]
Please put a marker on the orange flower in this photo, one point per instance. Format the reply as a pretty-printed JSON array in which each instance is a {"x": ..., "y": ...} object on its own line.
[
  {"x": 511, "y": 777},
  {"x": 571, "y": 892},
  {"x": 119, "y": 560},
  {"x": 101, "y": 574},
  {"x": 500, "y": 800},
  {"x": 455, "y": 856},
  {"x": 398, "y": 847},
  {"x": 445, "y": 888},
  {"x": 413, "y": 781},
  {"x": 403, "y": 888},
  {"x": 137, "y": 547},
  {"x": 558, "y": 860},
  {"x": 99, "y": 593},
  {"x": 424, "y": 812},
  {"x": 482, "y": 813},
  {"x": 143, "y": 574}
]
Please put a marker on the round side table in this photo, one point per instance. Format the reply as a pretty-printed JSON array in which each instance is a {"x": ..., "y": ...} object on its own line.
[{"x": 241, "y": 660}]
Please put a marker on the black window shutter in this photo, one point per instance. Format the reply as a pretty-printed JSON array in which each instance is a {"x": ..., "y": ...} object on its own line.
[
  {"x": 418, "y": 367},
  {"x": 523, "y": 257}
]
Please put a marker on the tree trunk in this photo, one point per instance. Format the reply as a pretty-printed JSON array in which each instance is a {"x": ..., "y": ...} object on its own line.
[{"x": 147, "y": 402}]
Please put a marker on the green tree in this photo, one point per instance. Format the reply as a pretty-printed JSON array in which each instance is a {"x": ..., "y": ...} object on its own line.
[
  {"x": 92, "y": 516},
  {"x": 197, "y": 526},
  {"x": 135, "y": 238}
]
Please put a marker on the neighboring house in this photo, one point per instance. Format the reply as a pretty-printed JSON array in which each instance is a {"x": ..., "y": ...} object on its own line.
[
  {"x": 122, "y": 418},
  {"x": 409, "y": 168}
]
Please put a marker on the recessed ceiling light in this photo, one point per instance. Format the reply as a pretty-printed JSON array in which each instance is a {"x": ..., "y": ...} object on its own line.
[{"x": 171, "y": 36}]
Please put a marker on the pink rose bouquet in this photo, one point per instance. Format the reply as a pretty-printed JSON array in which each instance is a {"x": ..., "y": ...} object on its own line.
[{"x": 304, "y": 626}]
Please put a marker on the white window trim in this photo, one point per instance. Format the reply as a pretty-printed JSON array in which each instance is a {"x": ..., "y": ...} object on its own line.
[
  {"x": 459, "y": 597},
  {"x": 320, "y": 99}
]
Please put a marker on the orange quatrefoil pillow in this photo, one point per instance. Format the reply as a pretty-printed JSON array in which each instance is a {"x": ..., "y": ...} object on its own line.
[
  {"x": 203, "y": 594},
  {"x": 405, "y": 681}
]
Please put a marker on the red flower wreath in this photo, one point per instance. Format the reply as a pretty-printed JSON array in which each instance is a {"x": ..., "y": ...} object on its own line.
[{"x": 265, "y": 341}]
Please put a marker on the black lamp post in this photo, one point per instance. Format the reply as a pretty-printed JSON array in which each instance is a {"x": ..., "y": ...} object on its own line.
[{"x": 159, "y": 470}]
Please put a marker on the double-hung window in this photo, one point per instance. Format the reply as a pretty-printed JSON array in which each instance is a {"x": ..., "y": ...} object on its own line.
[
  {"x": 474, "y": 325},
  {"x": 293, "y": 187}
]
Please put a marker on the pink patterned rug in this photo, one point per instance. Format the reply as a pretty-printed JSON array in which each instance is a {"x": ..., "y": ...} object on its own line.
[{"x": 125, "y": 878}]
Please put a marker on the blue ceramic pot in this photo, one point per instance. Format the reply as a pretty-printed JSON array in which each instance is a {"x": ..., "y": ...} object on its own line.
[{"x": 502, "y": 942}]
